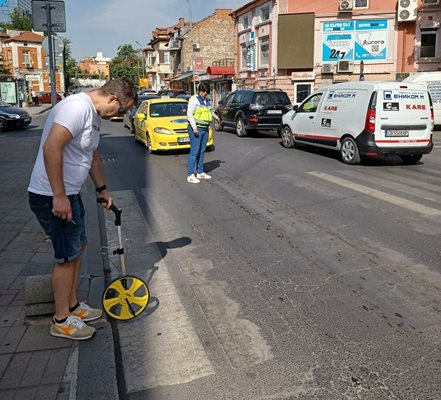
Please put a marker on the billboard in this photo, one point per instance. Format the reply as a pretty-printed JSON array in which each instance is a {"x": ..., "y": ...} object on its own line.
[{"x": 358, "y": 40}]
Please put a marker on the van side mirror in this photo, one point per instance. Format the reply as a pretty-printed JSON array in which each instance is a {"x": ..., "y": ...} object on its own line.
[{"x": 295, "y": 107}]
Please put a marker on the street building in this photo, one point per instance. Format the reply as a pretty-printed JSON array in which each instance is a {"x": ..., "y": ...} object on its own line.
[
  {"x": 8, "y": 7},
  {"x": 298, "y": 45},
  {"x": 97, "y": 67}
]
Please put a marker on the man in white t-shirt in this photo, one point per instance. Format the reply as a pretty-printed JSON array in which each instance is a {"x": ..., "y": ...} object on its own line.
[{"x": 67, "y": 154}]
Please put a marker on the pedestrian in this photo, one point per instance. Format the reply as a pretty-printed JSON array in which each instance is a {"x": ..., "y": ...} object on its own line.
[
  {"x": 67, "y": 154},
  {"x": 199, "y": 116},
  {"x": 34, "y": 98}
]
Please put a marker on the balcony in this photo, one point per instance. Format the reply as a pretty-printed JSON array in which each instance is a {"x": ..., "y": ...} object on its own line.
[{"x": 174, "y": 45}]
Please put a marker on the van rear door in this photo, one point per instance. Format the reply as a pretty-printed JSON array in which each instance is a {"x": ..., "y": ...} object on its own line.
[{"x": 403, "y": 117}]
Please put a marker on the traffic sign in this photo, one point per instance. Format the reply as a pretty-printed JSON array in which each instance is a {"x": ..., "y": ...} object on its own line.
[{"x": 40, "y": 16}]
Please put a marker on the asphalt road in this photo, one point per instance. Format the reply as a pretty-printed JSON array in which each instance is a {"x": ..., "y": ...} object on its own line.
[{"x": 291, "y": 275}]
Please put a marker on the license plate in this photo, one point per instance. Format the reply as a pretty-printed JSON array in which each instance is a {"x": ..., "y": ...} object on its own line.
[
  {"x": 396, "y": 133},
  {"x": 274, "y": 111},
  {"x": 183, "y": 140}
]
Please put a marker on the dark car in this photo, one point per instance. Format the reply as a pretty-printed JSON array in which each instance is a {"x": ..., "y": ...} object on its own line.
[
  {"x": 249, "y": 110},
  {"x": 170, "y": 93},
  {"x": 12, "y": 117},
  {"x": 45, "y": 97},
  {"x": 129, "y": 115}
]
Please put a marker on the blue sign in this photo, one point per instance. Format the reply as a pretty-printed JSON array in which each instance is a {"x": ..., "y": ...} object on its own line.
[
  {"x": 3, "y": 3},
  {"x": 354, "y": 40}
]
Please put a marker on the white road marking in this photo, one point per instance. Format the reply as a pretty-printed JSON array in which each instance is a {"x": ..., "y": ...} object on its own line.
[{"x": 390, "y": 198}]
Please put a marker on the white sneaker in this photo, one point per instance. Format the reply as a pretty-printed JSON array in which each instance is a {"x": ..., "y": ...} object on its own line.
[
  {"x": 203, "y": 175},
  {"x": 192, "y": 179}
]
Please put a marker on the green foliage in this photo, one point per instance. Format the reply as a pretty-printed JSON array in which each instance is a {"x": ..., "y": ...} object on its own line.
[
  {"x": 126, "y": 64},
  {"x": 19, "y": 21},
  {"x": 71, "y": 68}
]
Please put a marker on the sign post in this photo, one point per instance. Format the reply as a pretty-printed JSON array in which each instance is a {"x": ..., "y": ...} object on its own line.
[{"x": 49, "y": 16}]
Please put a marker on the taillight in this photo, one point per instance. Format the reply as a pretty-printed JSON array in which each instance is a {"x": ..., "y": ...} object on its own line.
[{"x": 370, "y": 120}]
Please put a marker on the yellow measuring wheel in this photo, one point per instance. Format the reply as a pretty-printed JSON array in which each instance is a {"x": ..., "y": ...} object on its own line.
[{"x": 125, "y": 297}]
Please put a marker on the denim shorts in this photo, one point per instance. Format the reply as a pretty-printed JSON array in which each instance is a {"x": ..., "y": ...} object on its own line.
[{"x": 67, "y": 237}]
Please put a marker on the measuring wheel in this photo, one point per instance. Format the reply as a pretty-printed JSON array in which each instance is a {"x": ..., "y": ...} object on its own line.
[{"x": 125, "y": 298}]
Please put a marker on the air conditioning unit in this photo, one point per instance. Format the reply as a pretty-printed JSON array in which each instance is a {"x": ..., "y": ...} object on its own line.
[
  {"x": 345, "y": 66},
  {"x": 328, "y": 68},
  {"x": 345, "y": 6},
  {"x": 407, "y": 10},
  {"x": 188, "y": 68},
  {"x": 196, "y": 46}
]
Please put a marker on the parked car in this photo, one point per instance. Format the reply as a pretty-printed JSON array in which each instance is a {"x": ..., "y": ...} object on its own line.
[
  {"x": 45, "y": 97},
  {"x": 129, "y": 115},
  {"x": 364, "y": 119},
  {"x": 432, "y": 80},
  {"x": 183, "y": 96},
  {"x": 249, "y": 110},
  {"x": 162, "y": 125},
  {"x": 166, "y": 93},
  {"x": 12, "y": 117}
]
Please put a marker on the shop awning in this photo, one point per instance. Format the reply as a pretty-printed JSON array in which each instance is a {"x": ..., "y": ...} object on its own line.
[
  {"x": 220, "y": 70},
  {"x": 185, "y": 75}
]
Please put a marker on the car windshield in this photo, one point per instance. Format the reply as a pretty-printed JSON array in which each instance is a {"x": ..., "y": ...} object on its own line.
[
  {"x": 168, "y": 109},
  {"x": 3, "y": 104}
]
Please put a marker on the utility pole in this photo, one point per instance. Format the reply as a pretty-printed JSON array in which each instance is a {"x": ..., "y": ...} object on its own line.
[{"x": 192, "y": 46}]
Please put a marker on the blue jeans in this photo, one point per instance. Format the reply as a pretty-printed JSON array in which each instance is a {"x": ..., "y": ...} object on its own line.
[
  {"x": 197, "y": 150},
  {"x": 67, "y": 237}
]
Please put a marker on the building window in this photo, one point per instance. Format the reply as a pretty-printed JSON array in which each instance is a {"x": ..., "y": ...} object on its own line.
[
  {"x": 361, "y": 4},
  {"x": 302, "y": 91},
  {"x": 430, "y": 2},
  {"x": 26, "y": 59},
  {"x": 429, "y": 40},
  {"x": 166, "y": 57},
  {"x": 245, "y": 22},
  {"x": 265, "y": 13},
  {"x": 150, "y": 59},
  {"x": 264, "y": 51}
]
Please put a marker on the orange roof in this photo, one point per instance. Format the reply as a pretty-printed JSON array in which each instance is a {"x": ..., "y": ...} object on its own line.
[{"x": 27, "y": 37}]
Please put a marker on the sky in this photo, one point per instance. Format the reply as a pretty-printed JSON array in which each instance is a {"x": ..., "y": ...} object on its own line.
[{"x": 103, "y": 25}]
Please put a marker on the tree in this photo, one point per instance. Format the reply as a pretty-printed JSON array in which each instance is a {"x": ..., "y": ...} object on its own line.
[
  {"x": 20, "y": 21},
  {"x": 71, "y": 68},
  {"x": 126, "y": 64}
]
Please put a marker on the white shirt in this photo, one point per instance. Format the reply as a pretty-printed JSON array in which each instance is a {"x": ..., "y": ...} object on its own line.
[
  {"x": 77, "y": 114},
  {"x": 193, "y": 104}
]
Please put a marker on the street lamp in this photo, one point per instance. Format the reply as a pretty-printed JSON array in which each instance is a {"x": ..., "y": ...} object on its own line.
[
  {"x": 192, "y": 46},
  {"x": 142, "y": 55}
]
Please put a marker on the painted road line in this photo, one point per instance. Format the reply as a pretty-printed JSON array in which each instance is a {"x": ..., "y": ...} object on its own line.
[{"x": 390, "y": 198}]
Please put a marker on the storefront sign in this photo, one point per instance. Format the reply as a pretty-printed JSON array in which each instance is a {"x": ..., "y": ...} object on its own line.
[
  {"x": 7, "y": 91},
  {"x": 303, "y": 76},
  {"x": 32, "y": 78},
  {"x": 354, "y": 40}
]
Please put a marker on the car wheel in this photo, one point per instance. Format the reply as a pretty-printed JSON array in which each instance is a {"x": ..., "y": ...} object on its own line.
[
  {"x": 279, "y": 132},
  {"x": 411, "y": 158},
  {"x": 287, "y": 139},
  {"x": 218, "y": 125},
  {"x": 149, "y": 143},
  {"x": 349, "y": 151},
  {"x": 240, "y": 128},
  {"x": 2, "y": 125}
]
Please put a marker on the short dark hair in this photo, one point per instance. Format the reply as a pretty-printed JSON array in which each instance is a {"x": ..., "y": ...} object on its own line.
[
  {"x": 202, "y": 88},
  {"x": 121, "y": 88}
]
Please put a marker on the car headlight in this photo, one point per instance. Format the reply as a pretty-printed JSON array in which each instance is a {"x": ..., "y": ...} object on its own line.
[
  {"x": 16, "y": 116},
  {"x": 164, "y": 131}
]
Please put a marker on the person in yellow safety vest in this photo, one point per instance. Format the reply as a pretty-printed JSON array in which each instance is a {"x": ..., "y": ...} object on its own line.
[{"x": 200, "y": 117}]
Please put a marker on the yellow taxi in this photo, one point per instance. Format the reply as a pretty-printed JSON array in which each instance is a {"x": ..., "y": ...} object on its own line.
[{"x": 161, "y": 124}]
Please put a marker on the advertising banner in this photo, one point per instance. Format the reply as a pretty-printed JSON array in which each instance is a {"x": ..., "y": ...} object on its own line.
[
  {"x": 354, "y": 40},
  {"x": 8, "y": 92}
]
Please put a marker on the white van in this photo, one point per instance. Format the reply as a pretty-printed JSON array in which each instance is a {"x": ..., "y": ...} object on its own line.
[
  {"x": 364, "y": 119},
  {"x": 432, "y": 80}
]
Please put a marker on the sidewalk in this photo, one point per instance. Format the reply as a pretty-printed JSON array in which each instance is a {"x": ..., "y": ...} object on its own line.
[{"x": 33, "y": 364}]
